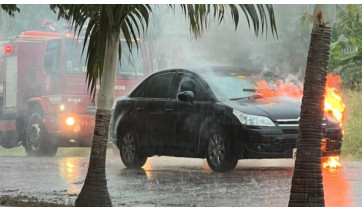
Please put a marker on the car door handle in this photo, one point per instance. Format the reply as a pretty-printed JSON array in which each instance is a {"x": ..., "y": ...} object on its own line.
[
  {"x": 140, "y": 109},
  {"x": 169, "y": 109}
]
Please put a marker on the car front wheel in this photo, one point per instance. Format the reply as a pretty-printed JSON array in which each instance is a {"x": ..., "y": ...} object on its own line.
[
  {"x": 219, "y": 155},
  {"x": 130, "y": 153}
]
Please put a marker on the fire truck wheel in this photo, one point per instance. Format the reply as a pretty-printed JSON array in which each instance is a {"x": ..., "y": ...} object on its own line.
[
  {"x": 37, "y": 140},
  {"x": 130, "y": 152}
]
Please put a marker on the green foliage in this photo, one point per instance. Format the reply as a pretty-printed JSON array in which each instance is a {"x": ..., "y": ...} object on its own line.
[
  {"x": 199, "y": 16},
  {"x": 346, "y": 35},
  {"x": 349, "y": 20},
  {"x": 352, "y": 145}
]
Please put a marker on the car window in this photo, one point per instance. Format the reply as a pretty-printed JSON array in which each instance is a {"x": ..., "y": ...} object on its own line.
[
  {"x": 187, "y": 82},
  {"x": 159, "y": 86},
  {"x": 138, "y": 91}
]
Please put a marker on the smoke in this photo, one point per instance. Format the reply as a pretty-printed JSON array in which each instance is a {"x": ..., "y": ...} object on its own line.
[
  {"x": 173, "y": 45},
  {"x": 285, "y": 56},
  {"x": 31, "y": 17}
]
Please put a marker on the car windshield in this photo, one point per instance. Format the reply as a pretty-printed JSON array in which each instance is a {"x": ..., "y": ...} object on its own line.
[
  {"x": 230, "y": 85},
  {"x": 75, "y": 62},
  {"x": 131, "y": 62}
]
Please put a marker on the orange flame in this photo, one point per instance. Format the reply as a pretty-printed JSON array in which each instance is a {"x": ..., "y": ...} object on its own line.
[
  {"x": 332, "y": 162},
  {"x": 333, "y": 103},
  {"x": 279, "y": 89}
]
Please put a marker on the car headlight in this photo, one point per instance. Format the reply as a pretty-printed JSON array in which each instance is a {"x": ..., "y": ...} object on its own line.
[{"x": 252, "y": 120}]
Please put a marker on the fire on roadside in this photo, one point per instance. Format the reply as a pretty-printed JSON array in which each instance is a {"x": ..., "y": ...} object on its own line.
[{"x": 333, "y": 103}]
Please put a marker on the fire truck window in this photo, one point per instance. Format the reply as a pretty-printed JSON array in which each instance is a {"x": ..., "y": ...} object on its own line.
[
  {"x": 52, "y": 56},
  {"x": 131, "y": 62},
  {"x": 74, "y": 61}
]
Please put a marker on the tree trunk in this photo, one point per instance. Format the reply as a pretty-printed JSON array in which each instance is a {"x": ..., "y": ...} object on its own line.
[
  {"x": 95, "y": 191},
  {"x": 1, "y": 9},
  {"x": 307, "y": 182}
]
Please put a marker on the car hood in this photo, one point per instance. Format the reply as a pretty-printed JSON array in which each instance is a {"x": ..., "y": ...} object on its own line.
[{"x": 274, "y": 108}]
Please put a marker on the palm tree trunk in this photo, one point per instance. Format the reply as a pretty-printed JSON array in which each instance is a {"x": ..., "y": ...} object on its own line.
[
  {"x": 307, "y": 182},
  {"x": 95, "y": 191},
  {"x": 1, "y": 21}
]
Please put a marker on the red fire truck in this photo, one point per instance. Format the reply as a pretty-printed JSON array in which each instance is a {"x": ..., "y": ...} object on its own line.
[{"x": 44, "y": 101}]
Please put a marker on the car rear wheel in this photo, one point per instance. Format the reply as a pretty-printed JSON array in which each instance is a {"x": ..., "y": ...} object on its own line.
[
  {"x": 37, "y": 142},
  {"x": 219, "y": 154},
  {"x": 130, "y": 152}
]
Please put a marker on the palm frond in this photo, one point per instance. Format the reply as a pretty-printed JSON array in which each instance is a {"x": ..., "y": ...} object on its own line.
[
  {"x": 259, "y": 15},
  {"x": 10, "y": 9}
]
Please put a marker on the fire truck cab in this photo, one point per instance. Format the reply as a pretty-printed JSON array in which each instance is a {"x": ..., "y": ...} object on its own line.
[{"x": 44, "y": 101}]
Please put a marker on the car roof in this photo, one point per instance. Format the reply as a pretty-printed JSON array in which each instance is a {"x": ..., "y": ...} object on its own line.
[
  {"x": 205, "y": 69},
  {"x": 211, "y": 70},
  {"x": 223, "y": 69}
]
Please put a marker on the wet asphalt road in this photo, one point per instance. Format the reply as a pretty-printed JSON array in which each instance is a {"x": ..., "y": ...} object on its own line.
[{"x": 169, "y": 181}]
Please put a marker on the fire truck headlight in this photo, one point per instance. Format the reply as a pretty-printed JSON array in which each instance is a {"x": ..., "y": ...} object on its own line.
[
  {"x": 70, "y": 121},
  {"x": 62, "y": 107}
]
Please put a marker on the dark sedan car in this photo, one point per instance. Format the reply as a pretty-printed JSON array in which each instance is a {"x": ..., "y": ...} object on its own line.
[{"x": 213, "y": 113}]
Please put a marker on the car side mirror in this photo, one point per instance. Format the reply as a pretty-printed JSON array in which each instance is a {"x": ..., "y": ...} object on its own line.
[{"x": 186, "y": 96}]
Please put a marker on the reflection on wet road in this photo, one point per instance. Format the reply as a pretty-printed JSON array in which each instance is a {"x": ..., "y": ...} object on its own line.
[
  {"x": 168, "y": 181},
  {"x": 337, "y": 191},
  {"x": 69, "y": 171}
]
